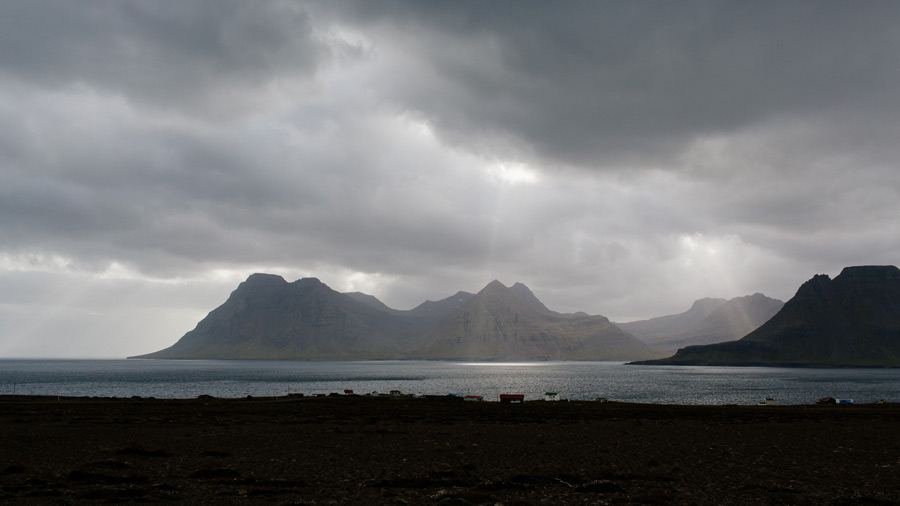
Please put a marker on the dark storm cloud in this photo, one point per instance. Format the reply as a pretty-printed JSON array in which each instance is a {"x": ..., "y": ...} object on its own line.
[
  {"x": 177, "y": 55},
  {"x": 633, "y": 82}
]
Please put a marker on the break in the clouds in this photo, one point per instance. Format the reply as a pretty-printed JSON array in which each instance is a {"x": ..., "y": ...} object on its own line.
[{"x": 620, "y": 158}]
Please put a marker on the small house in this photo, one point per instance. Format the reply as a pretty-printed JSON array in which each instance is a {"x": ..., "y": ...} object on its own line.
[
  {"x": 551, "y": 396},
  {"x": 348, "y": 392},
  {"x": 512, "y": 398},
  {"x": 396, "y": 393}
]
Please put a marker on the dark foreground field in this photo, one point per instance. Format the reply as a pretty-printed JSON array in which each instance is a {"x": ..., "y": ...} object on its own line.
[{"x": 358, "y": 450}]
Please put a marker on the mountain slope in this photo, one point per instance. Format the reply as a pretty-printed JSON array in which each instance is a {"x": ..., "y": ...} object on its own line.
[
  {"x": 708, "y": 321},
  {"x": 267, "y": 317},
  {"x": 435, "y": 311},
  {"x": 852, "y": 320},
  {"x": 501, "y": 323}
]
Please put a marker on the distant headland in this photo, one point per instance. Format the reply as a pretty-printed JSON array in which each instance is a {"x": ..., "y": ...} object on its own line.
[{"x": 852, "y": 320}]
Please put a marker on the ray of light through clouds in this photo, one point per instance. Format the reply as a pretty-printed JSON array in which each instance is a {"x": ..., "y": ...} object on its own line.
[{"x": 619, "y": 158}]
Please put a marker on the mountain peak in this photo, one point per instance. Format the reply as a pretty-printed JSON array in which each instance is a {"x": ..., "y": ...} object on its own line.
[
  {"x": 518, "y": 295},
  {"x": 494, "y": 287},
  {"x": 869, "y": 273},
  {"x": 525, "y": 294},
  {"x": 260, "y": 278},
  {"x": 813, "y": 286},
  {"x": 261, "y": 281},
  {"x": 495, "y": 284}
]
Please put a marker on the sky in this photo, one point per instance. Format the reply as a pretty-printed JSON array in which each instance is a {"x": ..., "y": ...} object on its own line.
[{"x": 619, "y": 158}]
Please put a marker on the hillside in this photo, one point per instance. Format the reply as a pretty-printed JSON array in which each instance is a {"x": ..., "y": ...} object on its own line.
[
  {"x": 850, "y": 321},
  {"x": 502, "y": 323},
  {"x": 708, "y": 321}
]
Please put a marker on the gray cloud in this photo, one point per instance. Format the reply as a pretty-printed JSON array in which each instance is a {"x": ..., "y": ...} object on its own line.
[
  {"x": 207, "y": 57},
  {"x": 613, "y": 82},
  {"x": 619, "y": 158}
]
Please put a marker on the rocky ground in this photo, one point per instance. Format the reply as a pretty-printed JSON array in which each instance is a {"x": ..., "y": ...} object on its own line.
[{"x": 361, "y": 450}]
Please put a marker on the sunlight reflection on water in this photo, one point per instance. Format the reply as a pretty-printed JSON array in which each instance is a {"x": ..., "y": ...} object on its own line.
[
  {"x": 504, "y": 364},
  {"x": 573, "y": 380}
]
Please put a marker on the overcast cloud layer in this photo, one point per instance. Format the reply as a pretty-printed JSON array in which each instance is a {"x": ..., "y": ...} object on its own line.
[{"x": 619, "y": 158}]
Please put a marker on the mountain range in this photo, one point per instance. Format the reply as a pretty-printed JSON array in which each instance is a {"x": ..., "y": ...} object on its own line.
[
  {"x": 708, "y": 321},
  {"x": 268, "y": 318},
  {"x": 851, "y": 320}
]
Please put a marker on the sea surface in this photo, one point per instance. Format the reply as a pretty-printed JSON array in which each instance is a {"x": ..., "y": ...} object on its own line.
[{"x": 572, "y": 380}]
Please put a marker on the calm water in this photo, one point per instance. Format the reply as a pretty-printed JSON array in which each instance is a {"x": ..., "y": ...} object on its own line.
[{"x": 573, "y": 380}]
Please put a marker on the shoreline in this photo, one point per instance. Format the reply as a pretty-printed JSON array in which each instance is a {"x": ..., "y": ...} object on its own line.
[{"x": 448, "y": 398}]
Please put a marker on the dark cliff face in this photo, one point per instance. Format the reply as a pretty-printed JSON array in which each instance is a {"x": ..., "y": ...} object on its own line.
[{"x": 852, "y": 320}]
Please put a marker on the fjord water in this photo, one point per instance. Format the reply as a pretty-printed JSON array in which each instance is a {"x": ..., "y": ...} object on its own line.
[{"x": 572, "y": 380}]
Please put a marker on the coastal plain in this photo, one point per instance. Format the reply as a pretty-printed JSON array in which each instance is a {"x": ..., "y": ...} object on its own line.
[{"x": 401, "y": 450}]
